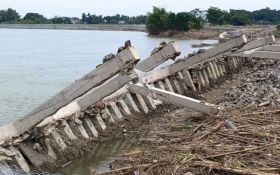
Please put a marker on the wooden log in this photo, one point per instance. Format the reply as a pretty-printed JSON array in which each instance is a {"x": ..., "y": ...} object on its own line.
[
  {"x": 167, "y": 52},
  {"x": 175, "y": 99}
]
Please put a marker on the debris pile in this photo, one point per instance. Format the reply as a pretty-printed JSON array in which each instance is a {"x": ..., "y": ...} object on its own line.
[
  {"x": 237, "y": 142},
  {"x": 260, "y": 86}
]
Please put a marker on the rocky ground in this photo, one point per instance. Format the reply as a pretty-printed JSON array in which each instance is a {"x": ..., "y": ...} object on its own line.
[{"x": 241, "y": 139}]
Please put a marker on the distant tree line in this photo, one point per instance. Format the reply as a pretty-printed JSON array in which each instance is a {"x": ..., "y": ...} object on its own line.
[
  {"x": 158, "y": 20},
  {"x": 12, "y": 16},
  {"x": 117, "y": 19},
  {"x": 218, "y": 16}
]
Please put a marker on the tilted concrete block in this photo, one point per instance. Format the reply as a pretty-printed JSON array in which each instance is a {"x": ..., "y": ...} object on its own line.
[
  {"x": 171, "y": 50},
  {"x": 175, "y": 99}
]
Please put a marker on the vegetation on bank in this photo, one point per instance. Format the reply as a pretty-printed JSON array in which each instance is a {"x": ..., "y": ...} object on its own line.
[
  {"x": 157, "y": 21},
  {"x": 160, "y": 20},
  {"x": 11, "y": 16}
]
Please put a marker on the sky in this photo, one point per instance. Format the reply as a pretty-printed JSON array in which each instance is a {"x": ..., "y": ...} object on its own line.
[{"x": 74, "y": 8}]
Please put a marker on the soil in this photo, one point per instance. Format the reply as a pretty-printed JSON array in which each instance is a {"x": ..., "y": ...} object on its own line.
[{"x": 192, "y": 34}]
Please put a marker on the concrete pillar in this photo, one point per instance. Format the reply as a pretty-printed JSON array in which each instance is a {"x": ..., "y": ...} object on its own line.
[
  {"x": 203, "y": 82},
  {"x": 181, "y": 81},
  {"x": 131, "y": 101},
  {"x": 188, "y": 79},
  {"x": 125, "y": 107},
  {"x": 57, "y": 138},
  {"x": 169, "y": 85},
  {"x": 109, "y": 114},
  {"x": 216, "y": 69},
  {"x": 142, "y": 103},
  {"x": 83, "y": 131},
  {"x": 20, "y": 159},
  {"x": 213, "y": 70},
  {"x": 204, "y": 72},
  {"x": 161, "y": 85},
  {"x": 68, "y": 130},
  {"x": 90, "y": 125},
  {"x": 100, "y": 121},
  {"x": 116, "y": 110},
  {"x": 176, "y": 85},
  {"x": 51, "y": 152}
]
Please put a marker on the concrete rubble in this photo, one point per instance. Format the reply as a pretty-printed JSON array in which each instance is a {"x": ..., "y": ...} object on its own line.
[
  {"x": 91, "y": 108},
  {"x": 260, "y": 86}
]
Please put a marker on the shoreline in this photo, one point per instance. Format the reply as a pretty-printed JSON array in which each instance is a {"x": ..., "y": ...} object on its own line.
[{"x": 101, "y": 27}]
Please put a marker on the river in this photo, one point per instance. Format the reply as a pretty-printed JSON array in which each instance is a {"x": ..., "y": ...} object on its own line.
[{"x": 36, "y": 64}]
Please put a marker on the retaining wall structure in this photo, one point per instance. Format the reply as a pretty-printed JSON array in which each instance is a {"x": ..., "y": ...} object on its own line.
[
  {"x": 116, "y": 89},
  {"x": 114, "y": 27}
]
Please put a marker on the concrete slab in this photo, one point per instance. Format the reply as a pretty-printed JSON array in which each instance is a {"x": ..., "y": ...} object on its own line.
[
  {"x": 159, "y": 57},
  {"x": 212, "y": 52},
  {"x": 270, "y": 48},
  {"x": 176, "y": 99},
  {"x": 258, "y": 54},
  {"x": 37, "y": 159}
]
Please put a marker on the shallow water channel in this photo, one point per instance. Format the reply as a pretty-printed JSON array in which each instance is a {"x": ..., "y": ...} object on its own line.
[{"x": 99, "y": 158}]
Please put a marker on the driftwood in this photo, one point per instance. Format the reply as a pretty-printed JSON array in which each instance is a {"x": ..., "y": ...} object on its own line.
[
  {"x": 242, "y": 151},
  {"x": 216, "y": 166},
  {"x": 265, "y": 112},
  {"x": 124, "y": 169}
]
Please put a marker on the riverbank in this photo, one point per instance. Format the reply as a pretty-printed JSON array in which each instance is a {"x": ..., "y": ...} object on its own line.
[
  {"x": 102, "y": 27},
  {"x": 192, "y": 34}
]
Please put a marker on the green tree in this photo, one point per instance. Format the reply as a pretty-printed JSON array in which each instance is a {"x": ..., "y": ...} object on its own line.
[
  {"x": 217, "y": 16},
  {"x": 9, "y": 16},
  {"x": 157, "y": 21},
  {"x": 34, "y": 18},
  {"x": 240, "y": 17}
]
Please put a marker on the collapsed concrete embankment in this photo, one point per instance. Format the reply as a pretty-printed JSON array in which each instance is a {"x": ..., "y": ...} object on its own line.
[{"x": 92, "y": 107}]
